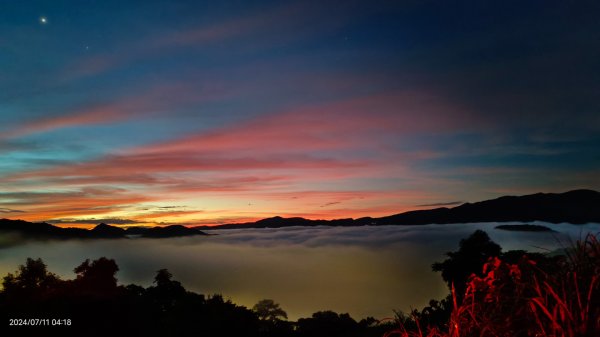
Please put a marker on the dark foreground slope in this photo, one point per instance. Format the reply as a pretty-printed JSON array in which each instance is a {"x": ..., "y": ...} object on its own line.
[{"x": 576, "y": 207}]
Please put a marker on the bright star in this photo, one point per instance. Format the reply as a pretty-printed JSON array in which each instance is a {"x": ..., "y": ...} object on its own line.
[{"x": 43, "y": 20}]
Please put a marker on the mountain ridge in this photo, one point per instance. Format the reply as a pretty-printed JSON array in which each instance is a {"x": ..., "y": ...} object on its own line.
[
  {"x": 575, "y": 207},
  {"x": 42, "y": 230}
]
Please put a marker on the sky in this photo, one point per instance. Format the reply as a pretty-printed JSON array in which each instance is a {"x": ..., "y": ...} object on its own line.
[{"x": 195, "y": 112}]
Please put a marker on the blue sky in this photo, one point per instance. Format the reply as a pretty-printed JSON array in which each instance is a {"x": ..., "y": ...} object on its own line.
[{"x": 211, "y": 112}]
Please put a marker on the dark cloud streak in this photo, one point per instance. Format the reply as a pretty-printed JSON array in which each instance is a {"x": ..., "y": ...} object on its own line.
[
  {"x": 110, "y": 221},
  {"x": 8, "y": 210}
]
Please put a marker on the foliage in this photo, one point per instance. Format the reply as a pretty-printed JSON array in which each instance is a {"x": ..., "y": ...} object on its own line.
[
  {"x": 328, "y": 324},
  {"x": 567, "y": 303},
  {"x": 32, "y": 280},
  {"x": 96, "y": 278},
  {"x": 528, "y": 296},
  {"x": 473, "y": 253},
  {"x": 268, "y": 310}
]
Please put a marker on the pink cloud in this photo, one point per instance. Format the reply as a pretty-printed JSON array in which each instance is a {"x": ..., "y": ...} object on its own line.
[
  {"x": 274, "y": 158},
  {"x": 314, "y": 138},
  {"x": 347, "y": 124},
  {"x": 100, "y": 114},
  {"x": 119, "y": 166}
]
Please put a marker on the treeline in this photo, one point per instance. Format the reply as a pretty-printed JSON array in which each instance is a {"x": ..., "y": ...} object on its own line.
[{"x": 95, "y": 305}]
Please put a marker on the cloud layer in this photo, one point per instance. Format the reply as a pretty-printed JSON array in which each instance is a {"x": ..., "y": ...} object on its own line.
[{"x": 366, "y": 271}]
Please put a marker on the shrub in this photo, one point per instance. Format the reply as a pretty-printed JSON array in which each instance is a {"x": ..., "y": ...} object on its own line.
[{"x": 522, "y": 299}]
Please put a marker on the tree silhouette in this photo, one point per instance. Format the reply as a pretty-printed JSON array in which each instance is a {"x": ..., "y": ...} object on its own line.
[
  {"x": 328, "y": 324},
  {"x": 167, "y": 292},
  {"x": 268, "y": 310},
  {"x": 271, "y": 318},
  {"x": 473, "y": 253},
  {"x": 97, "y": 277},
  {"x": 32, "y": 279},
  {"x": 163, "y": 278}
]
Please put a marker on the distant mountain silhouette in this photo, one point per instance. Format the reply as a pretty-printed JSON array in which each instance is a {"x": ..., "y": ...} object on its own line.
[
  {"x": 106, "y": 231},
  {"x": 102, "y": 231},
  {"x": 576, "y": 207},
  {"x": 171, "y": 231},
  {"x": 525, "y": 228},
  {"x": 41, "y": 230}
]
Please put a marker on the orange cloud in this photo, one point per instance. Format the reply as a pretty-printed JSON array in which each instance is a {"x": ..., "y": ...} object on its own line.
[{"x": 51, "y": 205}]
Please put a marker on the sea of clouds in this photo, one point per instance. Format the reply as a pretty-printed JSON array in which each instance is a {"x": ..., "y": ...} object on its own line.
[{"x": 366, "y": 271}]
